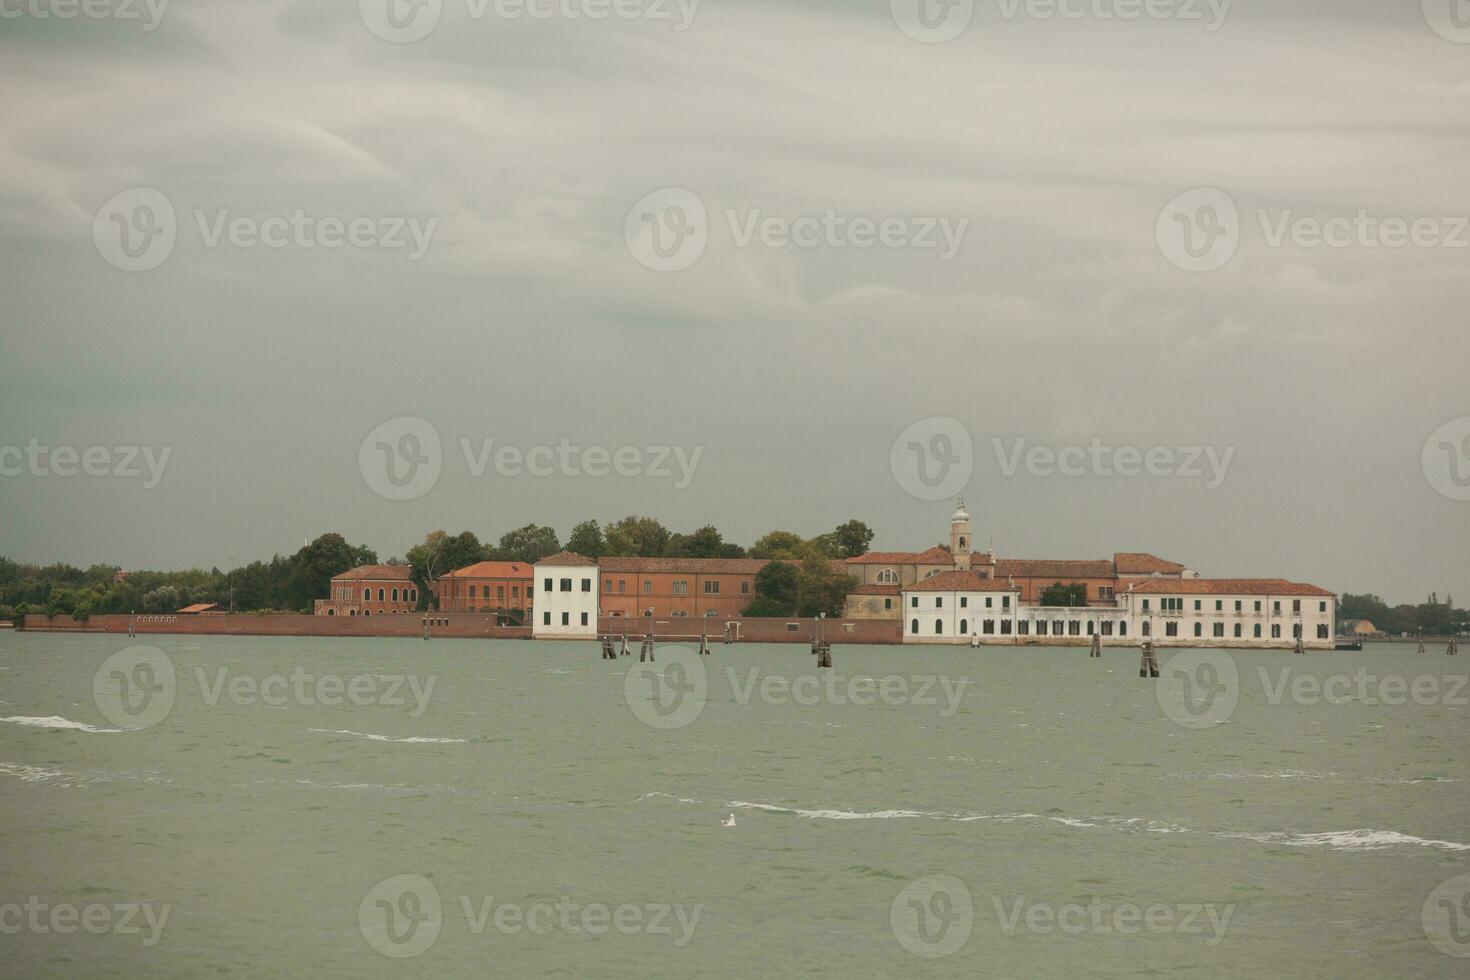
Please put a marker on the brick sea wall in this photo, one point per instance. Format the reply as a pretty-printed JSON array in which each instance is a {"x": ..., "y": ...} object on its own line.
[{"x": 459, "y": 625}]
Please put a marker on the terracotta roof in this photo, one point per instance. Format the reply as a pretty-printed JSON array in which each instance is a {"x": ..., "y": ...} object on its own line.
[
  {"x": 960, "y": 582},
  {"x": 200, "y": 607},
  {"x": 564, "y": 558},
  {"x": 876, "y": 590},
  {"x": 493, "y": 569},
  {"x": 692, "y": 566},
  {"x": 395, "y": 573},
  {"x": 1143, "y": 563},
  {"x": 1226, "y": 586},
  {"x": 1046, "y": 568},
  {"x": 936, "y": 555}
]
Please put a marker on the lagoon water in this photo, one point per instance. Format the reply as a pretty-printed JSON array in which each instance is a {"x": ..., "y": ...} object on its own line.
[{"x": 528, "y": 785}]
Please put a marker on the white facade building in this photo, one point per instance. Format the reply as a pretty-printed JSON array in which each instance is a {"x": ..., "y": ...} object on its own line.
[
  {"x": 565, "y": 605},
  {"x": 1261, "y": 613}
]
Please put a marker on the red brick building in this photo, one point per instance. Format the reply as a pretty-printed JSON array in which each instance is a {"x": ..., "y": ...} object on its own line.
[
  {"x": 502, "y": 587},
  {"x": 371, "y": 590},
  {"x": 694, "y": 588}
]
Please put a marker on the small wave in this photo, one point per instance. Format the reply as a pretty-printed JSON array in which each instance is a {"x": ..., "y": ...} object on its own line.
[
  {"x": 30, "y": 774},
  {"x": 415, "y": 740},
  {"x": 56, "y": 721},
  {"x": 666, "y": 796},
  {"x": 1350, "y": 840}
]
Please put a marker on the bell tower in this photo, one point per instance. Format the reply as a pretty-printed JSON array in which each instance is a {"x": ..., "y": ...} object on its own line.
[{"x": 960, "y": 543}]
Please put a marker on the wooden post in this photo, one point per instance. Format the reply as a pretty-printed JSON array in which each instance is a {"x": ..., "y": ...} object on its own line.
[
  {"x": 704, "y": 644},
  {"x": 1096, "y": 646},
  {"x": 1301, "y": 646},
  {"x": 1148, "y": 664},
  {"x": 1453, "y": 648},
  {"x": 625, "y": 651},
  {"x": 1421, "y": 641},
  {"x": 729, "y": 639}
]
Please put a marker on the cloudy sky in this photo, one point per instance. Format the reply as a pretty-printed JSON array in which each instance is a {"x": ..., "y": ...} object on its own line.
[{"x": 837, "y": 258}]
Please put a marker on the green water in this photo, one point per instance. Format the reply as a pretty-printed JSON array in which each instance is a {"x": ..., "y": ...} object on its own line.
[{"x": 1322, "y": 826}]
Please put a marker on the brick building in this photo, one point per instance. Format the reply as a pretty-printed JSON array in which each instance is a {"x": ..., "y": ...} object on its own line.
[
  {"x": 502, "y": 587},
  {"x": 371, "y": 590},
  {"x": 693, "y": 588}
]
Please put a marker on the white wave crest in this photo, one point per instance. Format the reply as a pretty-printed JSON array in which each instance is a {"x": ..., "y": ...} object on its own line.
[
  {"x": 416, "y": 740},
  {"x": 56, "y": 721}
]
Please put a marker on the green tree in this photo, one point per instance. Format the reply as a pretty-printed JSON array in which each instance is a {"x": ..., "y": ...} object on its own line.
[
  {"x": 529, "y": 544},
  {"x": 779, "y": 544},
  {"x": 707, "y": 542},
  {"x": 587, "y": 540},
  {"x": 1071, "y": 594},
  {"x": 821, "y": 589},
  {"x": 776, "y": 588},
  {"x": 636, "y": 537},
  {"x": 853, "y": 539}
]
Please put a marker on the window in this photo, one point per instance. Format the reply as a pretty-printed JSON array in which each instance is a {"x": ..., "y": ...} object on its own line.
[
  {"x": 546, "y": 587},
  {"x": 1237, "y": 631},
  {"x": 1296, "y": 605},
  {"x": 648, "y": 585},
  {"x": 1321, "y": 607},
  {"x": 887, "y": 576},
  {"x": 711, "y": 613},
  {"x": 1145, "y": 605},
  {"x": 380, "y": 595},
  {"x": 938, "y": 626},
  {"x": 1091, "y": 630},
  {"x": 1239, "y": 605},
  {"x": 584, "y": 619},
  {"x": 1171, "y": 628},
  {"x": 515, "y": 592},
  {"x": 1041, "y": 627},
  {"x": 988, "y": 627},
  {"x": 1074, "y": 627},
  {"x": 586, "y": 586},
  {"x": 395, "y": 595},
  {"x": 711, "y": 588},
  {"x": 1258, "y": 605},
  {"x": 1147, "y": 628},
  {"x": 1276, "y": 606},
  {"x": 1275, "y": 631},
  {"x": 1199, "y": 629},
  {"x": 1296, "y": 631},
  {"x": 1321, "y": 631},
  {"x": 964, "y": 627},
  {"x": 887, "y": 603},
  {"x": 989, "y": 602},
  {"x": 964, "y": 603},
  {"x": 1005, "y": 627},
  {"x": 915, "y": 603},
  {"x": 607, "y": 584},
  {"x": 939, "y": 602},
  {"x": 681, "y": 587},
  {"x": 1107, "y": 627},
  {"x": 1005, "y": 602},
  {"x": 566, "y": 619},
  {"x": 546, "y": 617},
  {"x": 1105, "y": 592},
  {"x": 622, "y": 585},
  {"x": 1123, "y": 628},
  {"x": 914, "y": 627},
  {"x": 745, "y": 588},
  {"x": 1219, "y": 629},
  {"x": 1219, "y": 605},
  {"x": 1258, "y": 631},
  {"x": 367, "y": 595},
  {"x": 566, "y": 585},
  {"x": 1197, "y": 606},
  {"x": 1023, "y": 628}
]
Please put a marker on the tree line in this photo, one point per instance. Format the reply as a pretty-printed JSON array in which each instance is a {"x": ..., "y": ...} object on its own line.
[{"x": 293, "y": 583}]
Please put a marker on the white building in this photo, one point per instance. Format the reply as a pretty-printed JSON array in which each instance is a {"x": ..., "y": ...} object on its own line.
[
  {"x": 565, "y": 606},
  {"x": 1259, "y": 613},
  {"x": 952, "y": 606}
]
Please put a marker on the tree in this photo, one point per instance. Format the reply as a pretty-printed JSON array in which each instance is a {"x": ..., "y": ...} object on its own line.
[
  {"x": 440, "y": 554},
  {"x": 636, "y": 537},
  {"x": 776, "y": 588},
  {"x": 587, "y": 540},
  {"x": 779, "y": 544},
  {"x": 310, "y": 570},
  {"x": 707, "y": 542},
  {"x": 529, "y": 544},
  {"x": 853, "y": 539},
  {"x": 1071, "y": 594},
  {"x": 821, "y": 589}
]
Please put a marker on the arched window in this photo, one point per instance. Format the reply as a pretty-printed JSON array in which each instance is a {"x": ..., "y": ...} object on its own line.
[
  {"x": 962, "y": 544},
  {"x": 367, "y": 595},
  {"x": 380, "y": 595},
  {"x": 367, "y": 612},
  {"x": 914, "y": 627},
  {"x": 1090, "y": 630},
  {"x": 352, "y": 612},
  {"x": 413, "y": 595},
  {"x": 938, "y": 627},
  {"x": 395, "y": 595},
  {"x": 964, "y": 627},
  {"x": 1147, "y": 628},
  {"x": 887, "y": 577},
  {"x": 331, "y": 612}
]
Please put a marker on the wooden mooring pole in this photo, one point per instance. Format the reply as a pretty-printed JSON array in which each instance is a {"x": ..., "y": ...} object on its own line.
[
  {"x": 1148, "y": 664},
  {"x": 1096, "y": 646}
]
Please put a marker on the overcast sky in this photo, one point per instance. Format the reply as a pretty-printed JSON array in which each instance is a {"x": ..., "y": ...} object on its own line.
[{"x": 534, "y": 307}]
